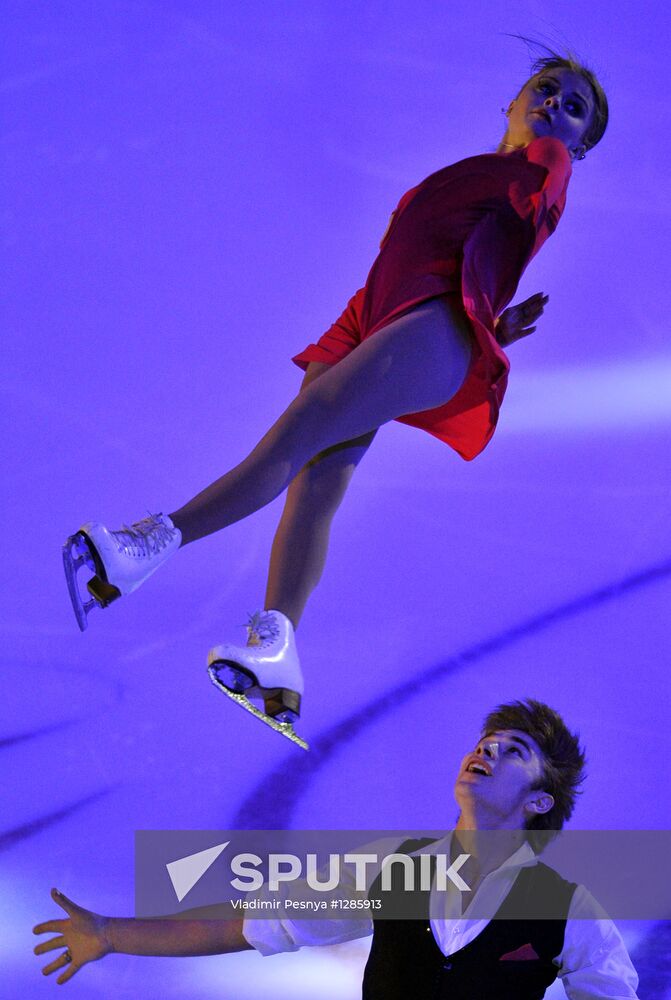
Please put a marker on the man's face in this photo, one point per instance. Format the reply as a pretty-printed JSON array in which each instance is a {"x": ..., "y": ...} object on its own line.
[{"x": 497, "y": 777}]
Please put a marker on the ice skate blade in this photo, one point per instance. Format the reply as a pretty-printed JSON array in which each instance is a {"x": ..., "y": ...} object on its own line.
[
  {"x": 76, "y": 553},
  {"x": 284, "y": 728},
  {"x": 79, "y": 552}
]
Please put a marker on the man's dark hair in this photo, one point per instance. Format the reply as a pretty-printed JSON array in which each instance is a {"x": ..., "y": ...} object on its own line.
[{"x": 563, "y": 758}]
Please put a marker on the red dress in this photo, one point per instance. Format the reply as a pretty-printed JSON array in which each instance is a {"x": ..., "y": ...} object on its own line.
[{"x": 469, "y": 229}]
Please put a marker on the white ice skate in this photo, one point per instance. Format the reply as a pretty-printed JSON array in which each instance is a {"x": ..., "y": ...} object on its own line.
[
  {"x": 119, "y": 560},
  {"x": 266, "y": 669}
]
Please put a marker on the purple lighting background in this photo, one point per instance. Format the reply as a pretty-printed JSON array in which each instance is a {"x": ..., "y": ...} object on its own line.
[{"x": 192, "y": 192}]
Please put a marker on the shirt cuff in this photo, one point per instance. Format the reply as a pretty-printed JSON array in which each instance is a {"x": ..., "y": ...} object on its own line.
[{"x": 269, "y": 937}]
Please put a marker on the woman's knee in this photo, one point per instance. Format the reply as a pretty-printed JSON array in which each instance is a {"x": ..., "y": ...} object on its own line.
[
  {"x": 323, "y": 481},
  {"x": 325, "y": 478},
  {"x": 316, "y": 414},
  {"x": 309, "y": 407}
]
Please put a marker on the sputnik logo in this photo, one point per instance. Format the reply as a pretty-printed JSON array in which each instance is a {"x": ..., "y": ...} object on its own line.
[{"x": 185, "y": 872}]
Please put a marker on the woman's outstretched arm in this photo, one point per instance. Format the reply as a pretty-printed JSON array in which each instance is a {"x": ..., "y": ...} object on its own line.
[{"x": 87, "y": 936}]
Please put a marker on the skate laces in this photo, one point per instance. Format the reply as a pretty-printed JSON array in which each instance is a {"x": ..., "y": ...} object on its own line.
[
  {"x": 262, "y": 629},
  {"x": 144, "y": 538}
]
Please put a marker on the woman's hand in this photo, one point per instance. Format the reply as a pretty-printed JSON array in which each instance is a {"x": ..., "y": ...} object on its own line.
[
  {"x": 83, "y": 935},
  {"x": 516, "y": 322}
]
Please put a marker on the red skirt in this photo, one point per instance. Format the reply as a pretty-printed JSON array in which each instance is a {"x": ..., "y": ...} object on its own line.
[
  {"x": 466, "y": 422},
  {"x": 469, "y": 230}
]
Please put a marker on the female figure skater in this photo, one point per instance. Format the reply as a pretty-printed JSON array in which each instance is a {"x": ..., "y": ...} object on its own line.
[{"x": 422, "y": 342}]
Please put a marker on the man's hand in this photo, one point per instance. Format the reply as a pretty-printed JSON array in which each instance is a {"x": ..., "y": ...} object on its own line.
[
  {"x": 83, "y": 935},
  {"x": 516, "y": 322}
]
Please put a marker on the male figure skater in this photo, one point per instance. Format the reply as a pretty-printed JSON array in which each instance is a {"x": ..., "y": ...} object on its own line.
[{"x": 523, "y": 775}]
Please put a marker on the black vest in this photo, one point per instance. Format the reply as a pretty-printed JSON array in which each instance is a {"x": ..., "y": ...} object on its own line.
[{"x": 405, "y": 963}]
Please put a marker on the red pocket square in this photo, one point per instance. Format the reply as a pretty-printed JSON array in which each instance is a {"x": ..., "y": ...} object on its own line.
[{"x": 524, "y": 954}]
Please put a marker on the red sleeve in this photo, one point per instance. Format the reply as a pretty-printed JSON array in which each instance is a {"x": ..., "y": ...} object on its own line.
[
  {"x": 531, "y": 200},
  {"x": 499, "y": 248}
]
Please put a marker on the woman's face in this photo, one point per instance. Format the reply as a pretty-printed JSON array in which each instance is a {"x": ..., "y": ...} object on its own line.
[{"x": 556, "y": 102}]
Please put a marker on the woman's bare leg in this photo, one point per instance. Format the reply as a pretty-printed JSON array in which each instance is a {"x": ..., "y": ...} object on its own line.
[
  {"x": 416, "y": 363},
  {"x": 301, "y": 541}
]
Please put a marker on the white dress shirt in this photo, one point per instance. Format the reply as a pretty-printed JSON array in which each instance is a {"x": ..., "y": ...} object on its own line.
[{"x": 593, "y": 962}]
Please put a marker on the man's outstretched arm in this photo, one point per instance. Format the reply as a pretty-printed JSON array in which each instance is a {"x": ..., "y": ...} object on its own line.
[{"x": 87, "y": 936}]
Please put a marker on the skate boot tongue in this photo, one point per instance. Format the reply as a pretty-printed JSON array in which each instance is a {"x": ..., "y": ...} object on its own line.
[{"x": 263, "y": 628}]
